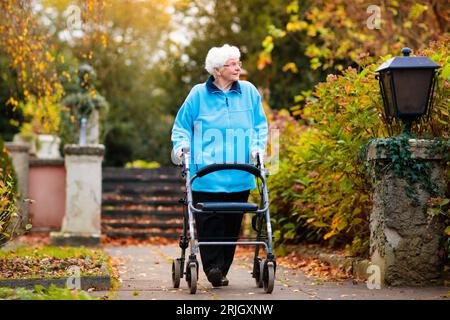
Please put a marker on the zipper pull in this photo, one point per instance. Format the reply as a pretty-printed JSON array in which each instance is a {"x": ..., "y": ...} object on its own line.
[{"x": 226, "y": 100}]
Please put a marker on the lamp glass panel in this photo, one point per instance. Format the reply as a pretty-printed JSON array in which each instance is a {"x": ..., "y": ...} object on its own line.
[
  {"x": 411, "y": 90},
  {"x": 385, "y": 79}
]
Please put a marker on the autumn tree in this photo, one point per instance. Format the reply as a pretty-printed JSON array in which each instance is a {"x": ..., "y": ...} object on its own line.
[
  {"x": 122, "y": 41},
  {"x": 28, "y": 59},
  {"x": 28, "y": 73},
  {"x": 340, "y": 33}
]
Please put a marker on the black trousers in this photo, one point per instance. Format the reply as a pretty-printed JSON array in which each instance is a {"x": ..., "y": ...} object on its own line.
[{"x": 218, "y": 227}]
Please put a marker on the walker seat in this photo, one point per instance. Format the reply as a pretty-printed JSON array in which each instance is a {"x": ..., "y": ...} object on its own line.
[{"x": 227, "y": 206}]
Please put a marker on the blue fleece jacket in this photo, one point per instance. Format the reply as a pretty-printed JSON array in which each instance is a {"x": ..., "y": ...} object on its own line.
[{"x": 221, "y": 127}]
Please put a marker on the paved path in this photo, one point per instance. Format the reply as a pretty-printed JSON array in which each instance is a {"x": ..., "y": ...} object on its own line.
[{"x": 146, "y": 274}]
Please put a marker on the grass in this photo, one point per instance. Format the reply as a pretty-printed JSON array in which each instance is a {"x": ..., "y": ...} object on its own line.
[
  {"x": 115, "y": 283},
  {"x": 41, "y": 293},
  {"x": 56, "y": 252}
]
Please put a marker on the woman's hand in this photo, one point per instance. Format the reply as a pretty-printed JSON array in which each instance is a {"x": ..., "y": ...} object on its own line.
[{"x": 254, "y": 155}]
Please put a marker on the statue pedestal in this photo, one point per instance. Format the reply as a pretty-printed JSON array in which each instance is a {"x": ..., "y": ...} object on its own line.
[
  {"x": 93, "y": 128},
  {"x": 48, "y": 146},
  {"x": 81, "y": 223},
  {"x": 405, "y": 241}
]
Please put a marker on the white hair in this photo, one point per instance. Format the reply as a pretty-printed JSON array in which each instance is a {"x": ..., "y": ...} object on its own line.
[{"x": 218, "y": 56}]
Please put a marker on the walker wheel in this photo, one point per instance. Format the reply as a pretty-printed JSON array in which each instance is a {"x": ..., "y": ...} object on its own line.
[
  {"x": 192, "y": 277},
  {"x": 176, "y": 273},
  {"x": 269, "y": 276},
  {"x": 259, "y": 267}
]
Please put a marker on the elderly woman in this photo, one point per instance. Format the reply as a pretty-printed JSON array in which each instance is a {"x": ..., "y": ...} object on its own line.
[{"x": 221, "y": 120}]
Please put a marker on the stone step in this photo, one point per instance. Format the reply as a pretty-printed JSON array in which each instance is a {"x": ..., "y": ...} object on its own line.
[
  {"x": 147, "y": 192},
  {"x": 118, "y": 174},
  {"x": 125, "y": 214},
  {"x": 120, "y": 171},
  {"x": 140, "y": 235},
  {"x": 142, "y": 225},
  {"x": 152, "y": 197},
  {"x": 137, "y": 201},
  {"x": 141, "y": 179},
  {"x": 143, "y": 185},
  {"x": 142, "y": 203}
]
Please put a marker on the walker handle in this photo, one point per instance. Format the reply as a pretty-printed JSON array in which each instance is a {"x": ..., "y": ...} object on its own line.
[{"x": 229, "y": 166}]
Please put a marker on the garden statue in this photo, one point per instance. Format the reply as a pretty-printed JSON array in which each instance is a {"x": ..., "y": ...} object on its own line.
[{"x": 87, "y": 104}]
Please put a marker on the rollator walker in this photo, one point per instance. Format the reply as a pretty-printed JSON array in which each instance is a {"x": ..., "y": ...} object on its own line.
[{"x": 263, "y": 269}]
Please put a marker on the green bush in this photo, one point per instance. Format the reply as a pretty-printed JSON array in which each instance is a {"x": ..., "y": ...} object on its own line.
[
  {"x": 321, "y": 192},
  {"x": 8, "y": 192}
]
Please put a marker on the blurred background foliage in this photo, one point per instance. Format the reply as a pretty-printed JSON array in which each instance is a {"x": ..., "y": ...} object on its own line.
[{"x": 149, "y": 54}]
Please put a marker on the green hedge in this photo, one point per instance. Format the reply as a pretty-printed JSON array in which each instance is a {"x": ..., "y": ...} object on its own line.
[{"x": 321, "y": 192}]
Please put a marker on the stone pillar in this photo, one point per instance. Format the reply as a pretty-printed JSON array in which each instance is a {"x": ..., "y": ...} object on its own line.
[
  {"x": 21, "y": 160},
  {"x": 81, "y": 223},
  {"x": 405, "y": 242}
]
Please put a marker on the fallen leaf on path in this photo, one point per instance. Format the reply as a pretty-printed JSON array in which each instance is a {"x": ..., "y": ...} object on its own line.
[{"x": 150, "y": 241}]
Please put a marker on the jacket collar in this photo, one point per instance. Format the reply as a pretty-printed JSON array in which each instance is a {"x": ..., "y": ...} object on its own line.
[{"x": 211, "y": 87}]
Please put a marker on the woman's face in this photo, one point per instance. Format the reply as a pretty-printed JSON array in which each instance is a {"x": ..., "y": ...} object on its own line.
[{"x": 231, "y": 70}]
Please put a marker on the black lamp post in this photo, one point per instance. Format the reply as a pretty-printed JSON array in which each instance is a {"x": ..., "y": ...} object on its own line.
[{"x": 406, "y": 85}]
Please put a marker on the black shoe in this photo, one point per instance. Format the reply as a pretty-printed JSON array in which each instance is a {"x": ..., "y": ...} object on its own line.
[
  {"x": 224, "y": 281},
  {"x": 215, "y": 277}
]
